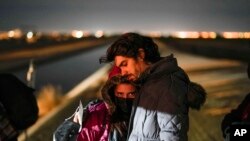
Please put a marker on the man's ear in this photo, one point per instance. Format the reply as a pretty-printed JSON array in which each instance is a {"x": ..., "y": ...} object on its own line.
[{"x": 141, "y": 54}]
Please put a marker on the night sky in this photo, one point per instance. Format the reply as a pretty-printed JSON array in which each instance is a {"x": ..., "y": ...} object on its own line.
[{"x": 126, "y": 15}]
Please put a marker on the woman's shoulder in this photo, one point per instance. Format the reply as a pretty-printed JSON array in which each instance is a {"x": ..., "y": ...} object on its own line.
[
  {"x": 97, "y": 113},
  {"x": 96, "y": 106}
]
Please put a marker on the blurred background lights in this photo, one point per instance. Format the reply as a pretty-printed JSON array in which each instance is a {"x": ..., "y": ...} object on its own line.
[
  {"x": 99, "y": 34},
  {"x": 77, "y": 34},
  {"x": 29, "y": 35}
]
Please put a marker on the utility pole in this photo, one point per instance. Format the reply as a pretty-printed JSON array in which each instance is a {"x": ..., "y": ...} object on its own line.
[
  {"x": 31, "y": 74},
  {"x": 30, "y": 78}
]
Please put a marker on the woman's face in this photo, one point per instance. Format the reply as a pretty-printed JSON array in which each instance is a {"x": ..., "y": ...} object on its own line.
[
  {"x": 124, "y": 97},
  {"x": 125, "y": 91}
]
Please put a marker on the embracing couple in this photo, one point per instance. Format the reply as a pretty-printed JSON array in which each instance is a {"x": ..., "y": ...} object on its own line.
[{"x": 147, "y": 97}]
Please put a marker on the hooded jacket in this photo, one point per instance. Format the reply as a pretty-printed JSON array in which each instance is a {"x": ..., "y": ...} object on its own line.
[
  {"x": 160, "y": 110},
  {"x": 97, "y": 124},
  {"x": 104, "y": 121}
]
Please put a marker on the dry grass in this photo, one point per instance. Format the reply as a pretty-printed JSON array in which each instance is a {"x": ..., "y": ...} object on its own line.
[{"x": 48, "y": 97}]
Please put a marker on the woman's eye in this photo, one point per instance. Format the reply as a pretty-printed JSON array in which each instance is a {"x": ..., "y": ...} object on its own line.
[
  {"x": 119, "y": 94},
  {"x": 132, "y": 94}
]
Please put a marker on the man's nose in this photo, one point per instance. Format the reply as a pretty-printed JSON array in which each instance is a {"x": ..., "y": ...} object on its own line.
[{"x": 124, "y": 72}]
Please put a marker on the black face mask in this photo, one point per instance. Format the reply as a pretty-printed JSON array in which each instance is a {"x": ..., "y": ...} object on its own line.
[{"x": 124, "y": 105}]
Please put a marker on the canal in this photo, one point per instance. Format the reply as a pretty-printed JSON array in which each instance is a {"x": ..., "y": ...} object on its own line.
[{"x": 66, "y": 72}]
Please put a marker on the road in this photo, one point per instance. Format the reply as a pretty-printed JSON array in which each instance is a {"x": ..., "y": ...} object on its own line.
[{"x": 225, "y": 82}]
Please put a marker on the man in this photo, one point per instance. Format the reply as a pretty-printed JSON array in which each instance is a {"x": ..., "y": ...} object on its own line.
[{"x": 160, "y": 110}]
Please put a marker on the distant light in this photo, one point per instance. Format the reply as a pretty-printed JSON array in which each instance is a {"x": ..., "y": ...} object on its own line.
[
  {"x": 77, "y": 34},
  {"x": 55, "y": 34},
  {"x": 30, "y": 35},
  {"x": 99, "y": 34},
  {"x": 11, "y": 34},
  {"x": 241, "y": 35},
  {"x": 247, "y": 34},
  {"x": 182, "y": 34},
  {"x": 155, "y": 34},
  {"x": 212, "y": 35},
  {"x": 204, "y": 35},
  {"x": 193, "y": 35},
  {"x": 230, "y": 35},
  {"x": 235, "y": 35},
  {"x": 86, "y": 33}
]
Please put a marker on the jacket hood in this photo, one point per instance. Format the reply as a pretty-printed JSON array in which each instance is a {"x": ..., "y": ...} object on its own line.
[
  {"x": 165, "y": 65},
  {"x": 196, "y": 95}
]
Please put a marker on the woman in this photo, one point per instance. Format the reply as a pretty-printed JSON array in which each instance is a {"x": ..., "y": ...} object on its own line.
[{"x": 107, "y": 120}]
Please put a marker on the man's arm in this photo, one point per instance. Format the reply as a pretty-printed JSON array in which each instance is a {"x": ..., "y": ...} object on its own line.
[{"x": 170, "y": 126}]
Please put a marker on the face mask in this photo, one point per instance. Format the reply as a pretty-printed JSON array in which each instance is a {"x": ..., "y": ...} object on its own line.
[{"x": 124, "y": 104}]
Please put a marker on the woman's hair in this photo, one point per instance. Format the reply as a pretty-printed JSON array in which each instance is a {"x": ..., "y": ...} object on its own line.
[
  {"x": 118, "y": 122},
  {"x": 108, "y": 90},
  {"x": 128, "y": 45}
]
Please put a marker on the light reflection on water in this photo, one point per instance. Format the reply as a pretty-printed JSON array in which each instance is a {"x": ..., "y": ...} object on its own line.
[{"x": 68, "y": 72}]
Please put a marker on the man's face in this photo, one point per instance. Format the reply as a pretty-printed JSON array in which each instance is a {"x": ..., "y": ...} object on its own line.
[
  {"x": 129, "y": 66},
  {"x": 125, "y": 91}
]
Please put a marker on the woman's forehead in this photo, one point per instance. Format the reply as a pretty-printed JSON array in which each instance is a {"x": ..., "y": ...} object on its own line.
[{"x": 125, "y": 86}]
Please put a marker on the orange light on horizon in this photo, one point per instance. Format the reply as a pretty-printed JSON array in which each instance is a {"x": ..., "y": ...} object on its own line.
[
  {"x": 207, "y": 35},
  {"x": 212, "y": 35},
  {"x": 16, "y": 33},
  {"x": 30, "y": 38},
  {"x": 204, "y": 35},
  {"x": 183, "y": 35},
  {"x": 155, "y": 34},
  {"x": 11, "y": 34},
  {"x": 99, "y": 34},
  {"x": 86, "y": 33},
  {"x": 77, "y": 34},
  {"x": 247, "y": 34},
  {"x": 30, "y": 35},
  {"x": 236, "y": 35},
  {"x": 194, "y": 35}
]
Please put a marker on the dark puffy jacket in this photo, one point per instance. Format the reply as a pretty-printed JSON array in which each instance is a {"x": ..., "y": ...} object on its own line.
[
  {"x": 19, "y": 101},
  {"x": 160, "y": 109},
  {"x": 18, "y": 107}
]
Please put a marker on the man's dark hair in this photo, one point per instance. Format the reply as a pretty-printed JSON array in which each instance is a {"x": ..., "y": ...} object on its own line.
[{"x": 128, "y": 45}]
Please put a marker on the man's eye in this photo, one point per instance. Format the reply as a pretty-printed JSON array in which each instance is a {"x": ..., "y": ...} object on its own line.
[
  {"x": 124, "y": 64},
  {"x": 119, "y": 94}
]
